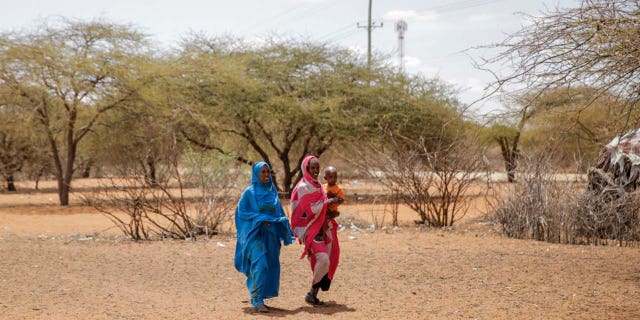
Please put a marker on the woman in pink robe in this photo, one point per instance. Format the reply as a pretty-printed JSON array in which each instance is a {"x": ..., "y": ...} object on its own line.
[{"x": 308, "y": 214}]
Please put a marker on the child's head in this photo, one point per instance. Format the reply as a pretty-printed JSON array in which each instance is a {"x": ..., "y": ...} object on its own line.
[{"x": 331, "y": 175}]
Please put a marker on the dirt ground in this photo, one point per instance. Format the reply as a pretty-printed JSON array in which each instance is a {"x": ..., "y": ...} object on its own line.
[{"x": 71, "y": 263}]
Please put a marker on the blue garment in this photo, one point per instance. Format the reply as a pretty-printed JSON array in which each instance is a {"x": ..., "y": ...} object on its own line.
[{"x": 258, "y": 245}]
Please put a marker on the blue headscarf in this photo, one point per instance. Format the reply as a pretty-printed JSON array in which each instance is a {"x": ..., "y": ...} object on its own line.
[
  {"x": 259, "y": 203},
  {"x": 265, "y": 193}
]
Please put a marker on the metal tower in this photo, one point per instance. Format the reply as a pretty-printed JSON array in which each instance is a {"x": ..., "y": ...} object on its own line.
[{"x": 401, "y": 27}]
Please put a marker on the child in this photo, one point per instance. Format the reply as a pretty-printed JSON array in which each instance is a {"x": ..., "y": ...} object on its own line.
[{"x": 335, "y": 194}]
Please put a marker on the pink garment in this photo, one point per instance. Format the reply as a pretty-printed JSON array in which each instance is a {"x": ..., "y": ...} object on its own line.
[
  {"x": 308, "y": 207},
  {"x": 308, "y": 212},
  {"x": 331, "y": 247}
]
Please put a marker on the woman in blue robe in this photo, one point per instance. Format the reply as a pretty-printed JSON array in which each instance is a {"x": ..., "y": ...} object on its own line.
[{"x": 261, "y": 226}]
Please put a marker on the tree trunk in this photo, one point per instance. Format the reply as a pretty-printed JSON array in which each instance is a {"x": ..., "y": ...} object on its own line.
[
  {"x": 59, "y": 176},
  {"x": 86, "y": 171},
  {"x": 72, "y": 144},
  {"x": 65, "y": 187},
  {"x": 510, "y": 156},
  {"x": 152, "y": 178},
  {"x": 511, "y": 172},
  {"x": 288, "y": 175},
  {"x": 395, "y": 207},
  {"x": 10, "y": 185},
  {"x": 63, "y": 193},
  {"x": 37, "y": 178}
]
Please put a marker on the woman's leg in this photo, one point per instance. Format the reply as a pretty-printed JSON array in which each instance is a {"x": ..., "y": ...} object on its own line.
[
  {"x": 264, "y": 277},
  {"x": 255, "y": 281},
  {"x": 320, "y": 264}
]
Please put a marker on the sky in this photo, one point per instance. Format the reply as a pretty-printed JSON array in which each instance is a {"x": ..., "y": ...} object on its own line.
[{"x": 437, "y": 43}]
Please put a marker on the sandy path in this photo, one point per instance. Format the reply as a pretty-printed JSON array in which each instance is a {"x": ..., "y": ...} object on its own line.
[
  {"x": 52, "y": 266},
  {"x": 406, "y": 274}
]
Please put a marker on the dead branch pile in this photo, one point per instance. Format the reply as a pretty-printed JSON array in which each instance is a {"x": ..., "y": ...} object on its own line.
[
  {"x": 606, "y": 212},
  {"x": 609, "y": 209},
  {"x": 163, "y": 208},
  {"x": 536, "y": 206}
]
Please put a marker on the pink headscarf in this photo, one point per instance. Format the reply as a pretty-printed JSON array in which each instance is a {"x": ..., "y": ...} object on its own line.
[{"x": 308, "y": 207}]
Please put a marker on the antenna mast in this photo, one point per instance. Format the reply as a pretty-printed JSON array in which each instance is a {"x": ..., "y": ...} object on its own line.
[{"x": 401, "y": 27}]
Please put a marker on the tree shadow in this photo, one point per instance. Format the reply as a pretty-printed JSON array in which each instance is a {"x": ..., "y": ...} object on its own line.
[{"x": 331, "y": 308}]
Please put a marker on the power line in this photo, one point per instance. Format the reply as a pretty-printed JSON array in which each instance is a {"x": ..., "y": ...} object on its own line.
[
  {"x": 294, "y": 13},
  {"x": 337, "y": 31},
  {"x": 460, "y": 5},
  {"x": 346, "y": 35},
  {"x": 318, "y": 8},
  {"x": 274, "y": 17}
]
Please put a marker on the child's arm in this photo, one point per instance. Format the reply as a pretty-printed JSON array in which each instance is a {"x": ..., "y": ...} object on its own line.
[{"x": 340, "y": 196}]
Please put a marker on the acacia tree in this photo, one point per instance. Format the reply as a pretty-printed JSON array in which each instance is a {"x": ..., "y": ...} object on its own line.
[
  {"x": 594, "y": 44},
  {"x": 572, "y": 131},
  {"x": 507, "y": 136},
  {"x": 15, "y": 145},
  {"x": 278, "y": 102},
  {"x": 139, "y": 137},
  {"x": 421, "y": 150},
  {"x": 70, "y": 73},
  {"x": 435, "y": 179}
]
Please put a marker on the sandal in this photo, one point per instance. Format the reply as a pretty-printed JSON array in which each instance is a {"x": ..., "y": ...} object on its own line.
[
  {"x": 262, "y": 309},
  {"x": 314, "y": 301}
]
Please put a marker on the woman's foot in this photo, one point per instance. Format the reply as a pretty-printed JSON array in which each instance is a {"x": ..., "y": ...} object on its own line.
[
  {"x": 262, "y": 309},
  {"x": 313, "y": 300}
]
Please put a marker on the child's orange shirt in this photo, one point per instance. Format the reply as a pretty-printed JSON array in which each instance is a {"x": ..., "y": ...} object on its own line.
[{"x": 338, "y": 192}]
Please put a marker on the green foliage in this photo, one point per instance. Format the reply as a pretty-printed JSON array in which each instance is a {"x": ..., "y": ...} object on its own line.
[
  {"x": 576, "y": 124},
  {"x": 488, "y": 135},
  {"x": 278, "y": 101},
  {"x": 404, "y": 108},
  {"x": 69, "y": 74},
  {"x": 15, "y": 144},
  {"x": 282, "y": 100}
]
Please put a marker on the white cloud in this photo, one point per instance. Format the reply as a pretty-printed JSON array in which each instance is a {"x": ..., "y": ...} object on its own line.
[
  {"x": 470, "y": 84},
  {"x": 409, "y": 62},
  {"x": 412, "y": 62},
  {"x": 481, "y": 17},
  {"x": 410, "y": 15},
  {"x": 471, "y": 90},
  {"x": 358, "y": 50},
  {"x": 526, "y": 21},
  {"x": 261, "y": 41},
  {"x": 309, "y": 1},
  {"x": 428, "y": 71}
]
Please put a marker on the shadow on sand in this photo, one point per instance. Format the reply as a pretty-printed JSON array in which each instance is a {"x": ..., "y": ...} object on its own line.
[{"x": 331, "y": 308}]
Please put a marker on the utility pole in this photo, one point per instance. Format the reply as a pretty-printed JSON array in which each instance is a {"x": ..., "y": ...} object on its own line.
[
  {"x": 401, "y": 27},
  {"x": 370, "y": 25}
]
